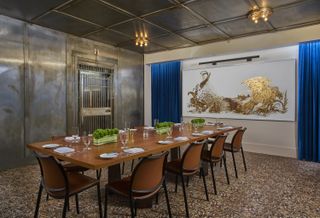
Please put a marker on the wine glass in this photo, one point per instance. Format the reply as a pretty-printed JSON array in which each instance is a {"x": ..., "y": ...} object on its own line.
[
  {"x": 124, "y": 136},
  {"x": 86, "y": 140}
]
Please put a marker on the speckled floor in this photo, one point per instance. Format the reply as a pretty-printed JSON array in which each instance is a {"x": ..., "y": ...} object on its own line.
[{"x": 272, "y": 187}]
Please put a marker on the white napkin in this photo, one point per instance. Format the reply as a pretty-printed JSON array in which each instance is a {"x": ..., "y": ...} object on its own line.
[
  {"x": 225, "y": 127},
  {"x": 181, "y": 138},
  {"x": 177, "y": 124},
  {"x": 207, "y": 132},
  {"x": 70, "y": 138},
  {"x": 133, "y": 150},
  {"x": 148, "y": 127},
  {"x": 165, "y": 142},
  {"x": 197, "y": 134},
  {"x": 64, "y": 150}
]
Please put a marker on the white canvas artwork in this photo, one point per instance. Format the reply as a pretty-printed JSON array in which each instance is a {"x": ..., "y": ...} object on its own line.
[{"x": 252, "y": 90}]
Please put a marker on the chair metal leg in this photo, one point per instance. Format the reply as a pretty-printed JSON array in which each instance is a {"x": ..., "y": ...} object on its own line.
[
  {"x": 106, "y": 203},
  {"x": 47, "y": 198},
  {"x": 225, "y": 168},
  {"x": 244, "y": 160},
  {"x": 38, "y": 200},
  {"x": 99, "y": 200},
  {"x": 176, "y": 186},
  {"x": 65, "y": 206},
  {"x": 157, "y": 198},
  {"x": 220, "y": 163},
  {"x": 204, "y": 184},
  {"x": 213, "y": 179},
  {"x": 132, "y": 208},
  {"x": 77, "y": 203},
  {"x": 68, "y": 205},
  {"x": 187, "y": 181},
  {"x": 234, "y": 165},
  {"x": 167, "y": 197},
  {"x": 98, "y": 173},
  {"x": 185, "y": 196}
]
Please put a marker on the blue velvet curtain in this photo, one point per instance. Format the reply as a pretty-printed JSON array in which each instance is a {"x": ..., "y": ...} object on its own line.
[
  {"x": 309, "y": 101},
  {"x": 166, "y": 91}
]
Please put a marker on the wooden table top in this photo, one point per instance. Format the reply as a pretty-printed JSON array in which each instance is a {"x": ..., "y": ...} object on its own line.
[{"x": 91, "y": 159}]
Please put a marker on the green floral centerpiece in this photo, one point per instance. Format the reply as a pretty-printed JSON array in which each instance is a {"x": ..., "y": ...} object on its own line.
[
  {"x": 104, "y": 136},
  {"x": 162, "y": 128},
  {"x": 198, "y": 122}
]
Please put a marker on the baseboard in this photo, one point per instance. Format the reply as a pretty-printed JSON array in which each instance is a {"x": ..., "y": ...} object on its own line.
[{"x": 277, "y": 150}]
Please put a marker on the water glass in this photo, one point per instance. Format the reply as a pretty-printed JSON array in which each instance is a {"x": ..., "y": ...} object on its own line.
[
  {"x": 169, "y": 132},
  {"x": 155, "y": 122},
  {"x": 195, "y": 127},
  {"x": 124, "y": 137},
  {"x": 86, "y": 139},
  {"x": 145, "y": 133},
  {"x": 75, "y": 134}
]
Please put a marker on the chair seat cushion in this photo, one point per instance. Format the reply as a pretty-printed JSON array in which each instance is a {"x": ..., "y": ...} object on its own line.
[
  {"x": 206, "y": 156},
  {"x": 228, "y": 147}
]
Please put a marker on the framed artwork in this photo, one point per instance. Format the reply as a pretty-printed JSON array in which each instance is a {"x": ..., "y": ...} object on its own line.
[{"x": 253, "y": 90}]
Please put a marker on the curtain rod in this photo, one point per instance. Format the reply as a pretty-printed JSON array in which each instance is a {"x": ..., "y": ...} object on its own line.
[{"x": 247, "y": 58}]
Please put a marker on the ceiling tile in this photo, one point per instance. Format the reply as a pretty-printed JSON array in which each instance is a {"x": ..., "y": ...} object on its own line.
[
  {"x": 108, "y": 36},
  {"x": 26, "y": 10},
  {"x": 140, "y": 7},
  {"x": 220, "y": 9},
  {"x": 130, "y": 28},
  {"x": 65, "y": 23},
  {"x": 175, "y": 19},
  {"x": 243, "y": 26},
  {"x": 95, "y": 12},
  {"x": 201, "y": 34},
  {"x": 274, "y": 3},
  {"x": 171, "y": 41},
  {"x": 296, "y": 14}
]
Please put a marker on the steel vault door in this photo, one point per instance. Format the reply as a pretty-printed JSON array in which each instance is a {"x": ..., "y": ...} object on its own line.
[{"x": 96, "y": 98}]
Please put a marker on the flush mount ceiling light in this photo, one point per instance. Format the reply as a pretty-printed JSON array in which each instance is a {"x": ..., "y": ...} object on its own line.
[
  {"x": 142, "y": 39},
  {"x": 257, "y": 13}
]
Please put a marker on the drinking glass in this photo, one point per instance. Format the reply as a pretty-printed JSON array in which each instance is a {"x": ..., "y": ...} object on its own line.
[
  {"x": 75, "y": 134},
  {"x": 86, "y": 139},
  {"x": 124, "y": 136},
  {"x": 195, "y": 127},
  {"x": 169, "y": 132},
  {"x": 155, "y": 122}
]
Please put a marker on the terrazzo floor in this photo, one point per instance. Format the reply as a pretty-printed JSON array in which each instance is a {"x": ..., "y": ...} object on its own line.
[{"x": 272, "y": 187}]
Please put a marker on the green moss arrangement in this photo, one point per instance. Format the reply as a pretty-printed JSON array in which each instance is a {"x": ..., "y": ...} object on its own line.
[
  {"x": 100, "y": 133},
  {"x": 198, "y": 121},
  {"x": 164, "y": 125}
]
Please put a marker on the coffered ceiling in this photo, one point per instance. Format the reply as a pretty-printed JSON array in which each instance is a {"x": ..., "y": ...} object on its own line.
[{"x": 170, "y": 24}]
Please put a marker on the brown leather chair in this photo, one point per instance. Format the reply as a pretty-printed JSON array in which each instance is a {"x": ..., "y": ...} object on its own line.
[
  {"x": 60, "y": 184},
  {"x": 214, "y": 156},
  {"x": 188, "y": 165},
  {"x": 236, "y": 146},
  {"x": 147, "y": 179}
]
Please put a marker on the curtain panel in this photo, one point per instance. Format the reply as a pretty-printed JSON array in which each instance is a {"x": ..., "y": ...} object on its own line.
[
  {"x": 309, "y": 101},
  {"x": 166, "y": 91}
]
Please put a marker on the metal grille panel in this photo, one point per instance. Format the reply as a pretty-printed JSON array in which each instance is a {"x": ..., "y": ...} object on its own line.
[{"x": 96, "y": 97}]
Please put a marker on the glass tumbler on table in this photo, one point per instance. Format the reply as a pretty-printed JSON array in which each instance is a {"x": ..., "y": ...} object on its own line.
[
  {"x": 86, "y": 139},
  {"x": 124, "y": 137},
  {"x": 169, "y": 132}
]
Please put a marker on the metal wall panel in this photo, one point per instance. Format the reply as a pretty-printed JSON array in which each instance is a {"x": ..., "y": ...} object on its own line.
[
  {"x": 11, "y": 91},
  {"x": 45, "y": 84}
]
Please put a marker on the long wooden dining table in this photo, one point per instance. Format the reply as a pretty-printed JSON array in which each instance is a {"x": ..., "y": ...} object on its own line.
[{"x": 91, "y": 158}]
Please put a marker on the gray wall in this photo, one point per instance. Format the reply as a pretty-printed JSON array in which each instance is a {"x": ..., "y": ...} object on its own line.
[{"x": 38, "y": 85}]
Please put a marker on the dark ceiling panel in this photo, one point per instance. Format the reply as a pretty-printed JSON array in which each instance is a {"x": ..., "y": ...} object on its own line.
[
  {"x": 108, "y": 36},
  {"x": 220, "y": 9},
  {"x": 26, "y": 10},
  {"x": 274, "y": 3},
  {"x": 171, "y": 41},
  {"x": 95, "y": 12},
  {"x": 175, "y": 19},
  {"x": 130, "y": 28},
  {"x": 65, "y": 23},
  {"x": 150, "y": 48},
  {"x": 296, "y": 14},
  {"x": 140, "y": 7},
  {"x": 243, "y": 26},
  {"x": 201, "y": 34}
]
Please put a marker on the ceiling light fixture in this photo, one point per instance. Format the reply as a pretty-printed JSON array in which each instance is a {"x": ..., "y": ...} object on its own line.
[
  {"x": 259, "y": 13},
  {"x": 142, "y": 39}
]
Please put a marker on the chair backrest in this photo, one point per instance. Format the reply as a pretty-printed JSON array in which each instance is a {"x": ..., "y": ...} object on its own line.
[
  {"x": 237, "y": 138},
  {"x": 53, "y": 176},
  {"x": 148, "y": 175},
  {"x": 192, "y": 156},
  {"x": 216, "y": 149}
]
